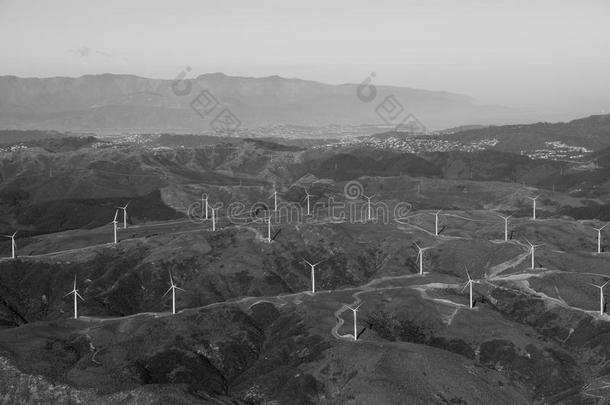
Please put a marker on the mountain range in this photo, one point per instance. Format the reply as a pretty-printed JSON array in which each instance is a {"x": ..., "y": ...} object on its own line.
[{"x": 110, "y": 102}]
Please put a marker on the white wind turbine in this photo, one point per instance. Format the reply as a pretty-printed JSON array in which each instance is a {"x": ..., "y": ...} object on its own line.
[
  {"x": 534, "y": 205},
  {"x": 76, "y": 296},
  {"x": 13, "y": 244},
  {"x": 307, "y": 196},
  {"x": 601, "y": 296},
  {"x": 505, "y": 225},
  {"x": 532, "y": 251},
  {"x": 204, "y": 205},
  {"x": 114, "y": 224},
  {"x": 313, "y": 274},
  {"x": 355, "y": 311},
  {"x": 599, "y": 237},
  {"x": 124, "y": 214},
  {"x": 368, "y": 198},
  {"x": 436, "y": 222},
  {"x": 173, "y": 287},
  {"x": 420, "y": 258},
  {"x": 469, "y": 283}
]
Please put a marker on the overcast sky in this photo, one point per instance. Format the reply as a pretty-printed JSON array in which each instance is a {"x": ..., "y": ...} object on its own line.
[{"x": 552, "y": 55}]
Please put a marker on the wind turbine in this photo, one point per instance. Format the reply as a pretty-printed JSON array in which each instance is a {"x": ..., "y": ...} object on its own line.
[
  {"x": 534, "y": 205},
  {"x": 469, "y": 283},
  {"x": 532, "y": 251},
  {"x": 599, "y": 237},
  {"x": 313, "y": 274},
  {"x": 505, "y": 225},
  {"x": 274, "y": 195},
  {"x": 420, "y": 258},
  {"x": 369, "y": 205},
  {"x": 355, "y": 311},
  {"x": 13, "y": 244},
  {"x": 114, "y": 223},
  {"x": 436, "y": 222},
  {"x": 76, "y": 296},
  {"x": 124, "y": 214},
  {"x": 204, "y": 204},
  {"x": 307, "y": 195},
  {"x": 173, "y": 289},
  {"x": 601, "y": 296}
]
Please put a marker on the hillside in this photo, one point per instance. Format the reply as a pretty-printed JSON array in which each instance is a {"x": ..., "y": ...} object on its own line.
[{"x": 592, "y": 133}]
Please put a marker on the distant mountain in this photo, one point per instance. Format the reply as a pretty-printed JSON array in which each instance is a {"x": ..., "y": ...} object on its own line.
[
  {"x": 592, "y": 132},
  {"x": 123, "y": 102}
]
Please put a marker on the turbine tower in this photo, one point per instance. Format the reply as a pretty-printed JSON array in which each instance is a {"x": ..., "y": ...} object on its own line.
[
  {"x": 420, "y": 258},
  {"x": 599, "y": 237},
  {"x": 601, "y": 296},
  {"x": 124, "y": 215},
  {"x": 355, "y": 311},
  {"x": 532, "y": 251},
  {"x": 173, "y": 287},
  {"x": 534, "y": 205},
  {"x": 13, "y": 244},
  {"x": 114, "y": 224},
  {"x": 214, "y": 219},
  {"x": 274, "y": 195},
  {"x": 204, "y": 204},
  {"x": 469, "y": 283},
  {"x": 313, "y": 274},
  {"x": 76, "y": 296},
  {"x": 436, "y": 222},
  {"x": 269, "y": 228},
  {"x": 505, "y": 225},
  {"x": 369, "y": 217}
]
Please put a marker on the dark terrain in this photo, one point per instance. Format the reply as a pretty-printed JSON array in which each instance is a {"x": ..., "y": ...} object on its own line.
[{"x": 248, "y": 329}]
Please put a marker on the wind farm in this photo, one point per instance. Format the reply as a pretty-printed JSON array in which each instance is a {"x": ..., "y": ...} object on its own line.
[
  {"x": 364, "y": 261},
  {"x": 302, "y": 204}
]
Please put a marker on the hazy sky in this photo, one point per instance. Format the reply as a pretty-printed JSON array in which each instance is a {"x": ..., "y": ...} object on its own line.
[{"x": 552, "y": 55}]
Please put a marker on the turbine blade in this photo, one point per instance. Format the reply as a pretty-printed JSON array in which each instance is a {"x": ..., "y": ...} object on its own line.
[
  {"x": 166, "y": 292},
  {"x": 80, "y": 296},
  {"x": 116, "y": 214},
  {"x": 178, "y": 288}
]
